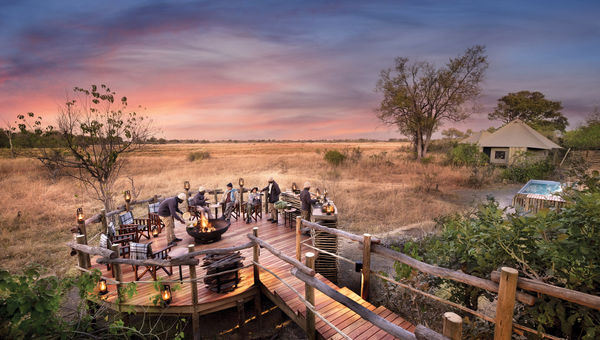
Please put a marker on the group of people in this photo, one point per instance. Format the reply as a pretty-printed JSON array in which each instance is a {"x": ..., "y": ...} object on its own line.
[{"x": 168, "y": 210}]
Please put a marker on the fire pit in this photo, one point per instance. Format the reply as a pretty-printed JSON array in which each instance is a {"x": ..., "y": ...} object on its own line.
[{"x": 207, "y": 230}]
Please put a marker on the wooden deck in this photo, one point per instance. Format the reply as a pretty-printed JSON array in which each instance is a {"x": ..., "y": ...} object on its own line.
[{"x": 279, "y": 237}]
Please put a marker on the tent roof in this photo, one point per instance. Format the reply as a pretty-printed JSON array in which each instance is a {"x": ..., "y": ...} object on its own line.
[
  {"x": 475, "y": 137},
  {"x": 517, "y": 134}
]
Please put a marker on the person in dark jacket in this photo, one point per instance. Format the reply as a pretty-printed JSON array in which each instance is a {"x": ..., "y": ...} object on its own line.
[
  {"x": 273, "y": 192},
  {"x": 167, "y": 211},
  {"x": 307, "y": 202},
  {"x": 229, "y": 201},
  {"x": 199, "y": 201}
]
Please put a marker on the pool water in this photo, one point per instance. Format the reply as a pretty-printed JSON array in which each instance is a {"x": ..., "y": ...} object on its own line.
[{"x": 535, "y": 186}]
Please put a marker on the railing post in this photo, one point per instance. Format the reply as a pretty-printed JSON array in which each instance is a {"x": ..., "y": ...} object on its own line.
[
  {"x": 298, "y": 238},
  {"x": 241, "y": 201},
  {"x": 194, "y": 288},
  {"x": 256, "y": 254},
  {"x": 506, "y": 303},
  {"x": 83, "y": 259},
  {"x": 309, "y": 294},
  {"x": 116, "y": 268},
  {"x": 366, "y": 269},
  {"x": 104, "y": 221},
  {"x": 452, "y": 326}
]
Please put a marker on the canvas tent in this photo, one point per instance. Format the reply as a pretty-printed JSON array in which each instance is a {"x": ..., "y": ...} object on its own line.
[{"x": 511, "y": 140}]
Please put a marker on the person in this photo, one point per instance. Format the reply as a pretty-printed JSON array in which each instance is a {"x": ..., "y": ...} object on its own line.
[
  {"x": 199, "y": 201},
  {"x": 306, "y": 201},
  {"x": 253, "y": 203},
  {"x": 167, "y": 211},
  {"x": 272, "y": 197},
  {"x": 229, "y": 201}
]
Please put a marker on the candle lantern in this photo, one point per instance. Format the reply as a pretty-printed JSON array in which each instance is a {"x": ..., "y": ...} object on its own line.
[
  {"x": 294, "y": 188},
  {"x": 80, "y": 217},
  {"x": 155, "y": 232},
  {"x": 318, "y": 193},
  {"x": 241, "y": 182},
  {"x": 165, "y": 294},
  {"x": 127, "y": 196},
  {"x": 186, "y": 185},
  {"x": 102, "y": 287}
]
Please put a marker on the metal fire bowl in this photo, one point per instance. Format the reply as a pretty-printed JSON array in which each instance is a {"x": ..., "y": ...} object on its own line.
[{"x": 220, "y": 225}]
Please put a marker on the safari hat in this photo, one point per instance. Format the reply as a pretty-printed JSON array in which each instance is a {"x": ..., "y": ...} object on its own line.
[
  {"x": 181, "y": 196},
  {"x": 306, "y": 184},
  {"x": 201, "y": 189}
]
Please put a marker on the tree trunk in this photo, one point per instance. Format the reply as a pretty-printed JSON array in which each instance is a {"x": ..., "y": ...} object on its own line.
[
  {"x": 419, "y": 144},
  {"x": 12, "y": 150},
  {"x": 426, "y": 144}
]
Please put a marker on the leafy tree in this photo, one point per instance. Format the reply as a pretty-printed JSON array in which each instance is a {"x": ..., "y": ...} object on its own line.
[
  {"x": 532, "y": 108},
  {"x": 334, "y": 157},
  {"x": 96, "y": 130},
  {"x": 586, "y": 136},
  {"x": 467, "y": 155},
  {"x": 418, "y": 97},
  {"x": 454, "y": 133}
]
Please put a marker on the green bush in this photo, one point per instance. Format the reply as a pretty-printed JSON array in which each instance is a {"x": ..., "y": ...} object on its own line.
[
  {"x": 524, "y": 171},
  {"x": 585, "y": 137},
  {"x": 557, "y": 247},
  {"x": 198, "y": 155},
  {"x": 334, "y": 157},
  {"x": 466, "y": 155}
]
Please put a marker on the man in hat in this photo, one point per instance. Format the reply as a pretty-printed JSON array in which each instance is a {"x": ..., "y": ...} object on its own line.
[
  {"x": 273, "y": 192},
  {"x": 167, "y": 211},
  {"x": 306, "y": 201},
  {"x": 229, "y": 201},
  {"x": 199, "y": 201}
]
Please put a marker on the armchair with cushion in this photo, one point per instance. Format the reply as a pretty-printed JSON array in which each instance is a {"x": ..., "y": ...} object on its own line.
[
  {"x": 143, "y": 251},
  {"x": 139, "y": 226}
]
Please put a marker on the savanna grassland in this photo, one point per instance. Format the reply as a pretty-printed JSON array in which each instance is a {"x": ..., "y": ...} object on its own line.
[{"x": 379, "y": 191}]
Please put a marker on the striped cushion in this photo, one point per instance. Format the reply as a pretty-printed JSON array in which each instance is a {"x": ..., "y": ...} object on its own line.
[
  {"x": 139, "y": 251},
  {"x": 126, "y": 218},
  {"x": 111, "y": 230},
  {"x": 104, "y": 241},
  {"x": 153, "y": 207}
]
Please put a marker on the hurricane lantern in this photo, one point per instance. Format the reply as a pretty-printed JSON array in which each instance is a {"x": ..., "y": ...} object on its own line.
[
  {"x": 318, "y": 192},
  {"x": 102, "y": 287},
  {"x": 186, "y": 185},
  {"x": 294, "y": 187},
  {"x": 155, "y": 232},
  {"x": 127, "y": 196},
  {"x": 241, "y": 182},
  {"x": 80, "y": 216},
  {"x": 165, "y": 294}
]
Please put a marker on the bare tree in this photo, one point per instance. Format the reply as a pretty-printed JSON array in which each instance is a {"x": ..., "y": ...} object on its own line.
[
  {"x": 418, "y": 97},
  {"x": 97, "y": 129},
  {"x": 10, "y": 131}
]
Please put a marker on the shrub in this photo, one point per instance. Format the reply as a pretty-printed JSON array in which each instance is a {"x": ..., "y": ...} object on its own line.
[
  {"x": 466, "y": 155},
  {"x": 355, "y": 154},
  {"x": 198, "y": 155},
  {"x": 524, "y": 171},
  {"x": 334, "y": 157},
  {"x": 557, "y": 247},
  {"x": 585, "y": 137}
]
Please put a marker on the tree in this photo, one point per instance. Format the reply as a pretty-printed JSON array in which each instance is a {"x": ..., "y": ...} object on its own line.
[
  {"x": 453, "y": 133},
  {"x": 586, "y": 136},
  {"x": 10, "y": 132},
  {"x": 418, "y": 97},
  {"x": 96, "y": 129},
  {"x": 532, "y": 108}
]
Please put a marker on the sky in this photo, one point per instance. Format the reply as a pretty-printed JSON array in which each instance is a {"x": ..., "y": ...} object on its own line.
[{"x": 287, "y": 69}]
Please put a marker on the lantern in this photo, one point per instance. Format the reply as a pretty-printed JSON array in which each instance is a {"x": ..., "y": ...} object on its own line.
[
  {"x": 241, "y": 182},
  {"x": 127, "y": 196},
  {"x": 155, "y": 232},
  {"x": 294, "y": 187},
  {"x": 165, "y": 294},
  {"x": 186, "y": 185},
  {"x": 80, "y": 217},
  {"x": 318, "y": 192},
  {"x": 102, "y": 287}
]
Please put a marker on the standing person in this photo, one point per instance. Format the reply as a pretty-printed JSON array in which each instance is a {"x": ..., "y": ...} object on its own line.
[
  {"x": 167, "y": 211},
  {"x": 253, "y": 203},
  {"x": 200, "y": 202},
  {"x": 272, "y": 197},
  {"x": 306, "y": 201},
  {"x": 229, "y": 201}
]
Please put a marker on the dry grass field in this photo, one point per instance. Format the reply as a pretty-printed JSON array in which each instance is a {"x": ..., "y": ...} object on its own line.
[{"x": 380, "y": 192}]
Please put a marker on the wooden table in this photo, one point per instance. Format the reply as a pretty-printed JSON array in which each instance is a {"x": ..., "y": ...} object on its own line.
[{"x": 216, "y": 207}]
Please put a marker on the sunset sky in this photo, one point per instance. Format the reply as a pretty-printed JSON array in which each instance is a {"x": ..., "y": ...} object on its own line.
[{"x": 283, "y": 69}]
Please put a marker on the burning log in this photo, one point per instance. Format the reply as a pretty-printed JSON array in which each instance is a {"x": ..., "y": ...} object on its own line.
[{"x": 217, "y": 263}]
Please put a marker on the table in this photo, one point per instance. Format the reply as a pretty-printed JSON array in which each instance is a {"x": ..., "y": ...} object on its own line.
[{"x": 216, "y": 207}]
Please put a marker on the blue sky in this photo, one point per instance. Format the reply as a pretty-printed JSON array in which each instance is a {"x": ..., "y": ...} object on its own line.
[{"x": 284, "y": 69}]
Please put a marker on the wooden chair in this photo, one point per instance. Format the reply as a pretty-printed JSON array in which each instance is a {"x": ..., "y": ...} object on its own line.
[
  {"x": 111, "y": 237},
  {"x": 139, "y": 226},
  {"x": 154, "y": 219},
  {"x": 256, "y": 212},
  {"x": 143, "y": 251}
]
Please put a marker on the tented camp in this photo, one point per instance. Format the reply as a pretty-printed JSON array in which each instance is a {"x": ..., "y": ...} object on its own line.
[{"x": 511, "y": 140}]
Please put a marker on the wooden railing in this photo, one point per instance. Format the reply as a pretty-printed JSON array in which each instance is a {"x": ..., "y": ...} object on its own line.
[{"x": 504, "y": 283}]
